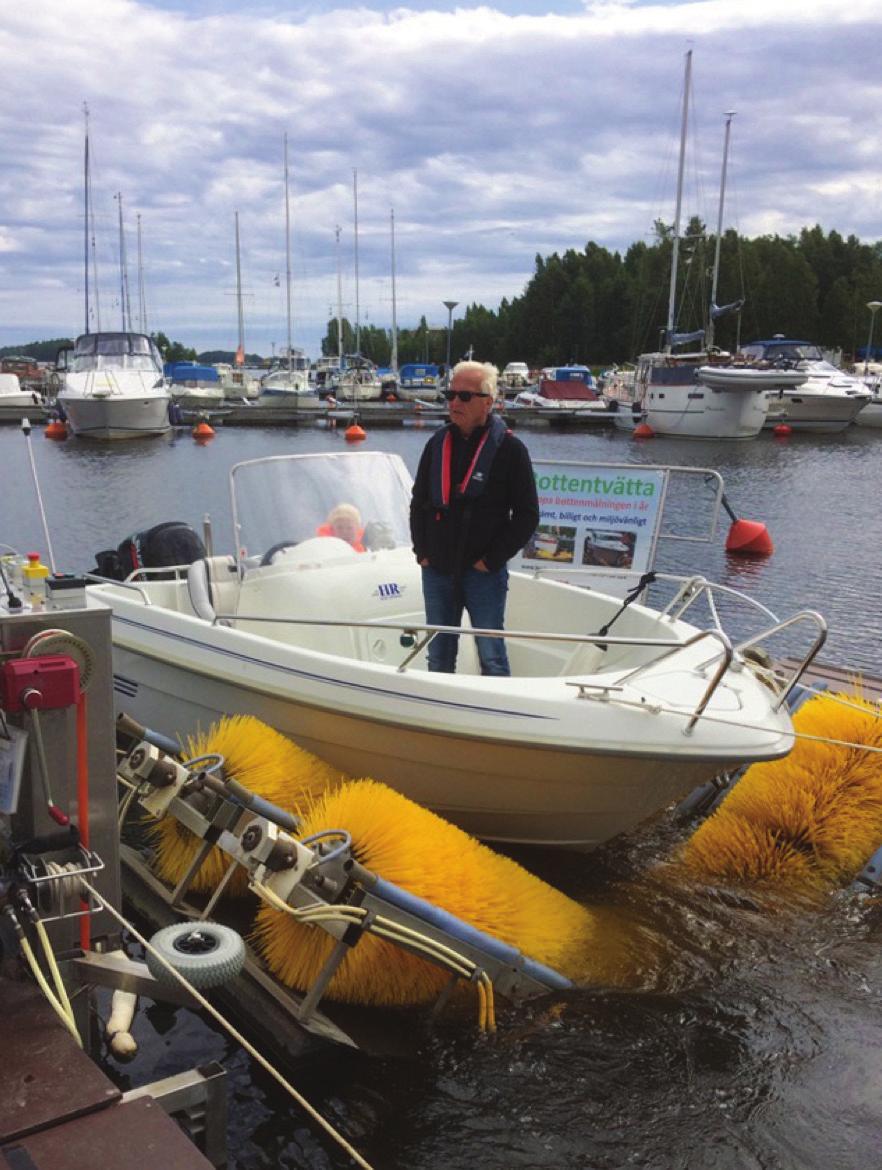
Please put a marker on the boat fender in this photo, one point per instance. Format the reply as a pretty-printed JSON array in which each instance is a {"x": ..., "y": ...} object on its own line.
[
  {"x": 199, "y": 590},
  {"x": 122, "y": 1012}
]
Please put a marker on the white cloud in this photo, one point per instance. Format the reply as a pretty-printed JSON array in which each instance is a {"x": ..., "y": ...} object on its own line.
[{"x": 495, "y": 136}]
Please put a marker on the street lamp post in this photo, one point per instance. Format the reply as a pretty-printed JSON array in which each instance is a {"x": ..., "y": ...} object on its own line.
[
  {"x": 874, "y": 307},
  {"x": 451, "y": 305}
]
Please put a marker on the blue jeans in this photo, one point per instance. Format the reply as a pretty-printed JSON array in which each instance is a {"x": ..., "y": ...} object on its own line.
[{"x": 482, "y": 595}]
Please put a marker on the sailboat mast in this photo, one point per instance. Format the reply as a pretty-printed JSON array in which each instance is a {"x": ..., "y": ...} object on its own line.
[
  {"x": 287, "y": 254},
  {"x": 240, "y": 352},
  {"x": 125, "y": 304},
  {"x": 142, "y": 299},
  {"x": 339, "y": 302},
  {"x": 394, "y": 359},
  {"x": 357, "y": 307},
  {"x": 709, "y": 335},
  {"x": 86, "y": 216},
  {"x": 675, "y": 254}
]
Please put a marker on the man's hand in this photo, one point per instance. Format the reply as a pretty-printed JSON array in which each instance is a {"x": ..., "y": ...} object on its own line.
[
  {"x": 480, "y": 566},
  {"x": 424, "y": 562}
]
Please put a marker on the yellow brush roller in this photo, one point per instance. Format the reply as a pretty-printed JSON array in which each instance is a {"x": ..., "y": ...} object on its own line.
[
  {"x": 413, "y": 848},
  {"x": 809, "y": 820},
  {"x": 262, "y": 760}
]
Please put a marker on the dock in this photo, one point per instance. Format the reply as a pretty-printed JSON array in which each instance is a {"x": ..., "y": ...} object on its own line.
[{"x": 59, "y": 1111}]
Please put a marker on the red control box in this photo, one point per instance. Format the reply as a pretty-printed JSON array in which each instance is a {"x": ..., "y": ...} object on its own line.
[{"x": 42, "y": 684}]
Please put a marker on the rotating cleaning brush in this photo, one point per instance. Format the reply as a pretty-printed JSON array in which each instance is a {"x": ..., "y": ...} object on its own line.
[
  {"x": 413, "y": 848},
  {"x": 261, "y": 759}
]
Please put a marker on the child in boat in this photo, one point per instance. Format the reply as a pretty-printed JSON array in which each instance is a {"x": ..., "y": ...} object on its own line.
[{"x": 344, "y": 522}]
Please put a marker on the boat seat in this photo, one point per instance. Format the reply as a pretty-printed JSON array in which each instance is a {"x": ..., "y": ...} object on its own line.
[{"x": 208, "y": 586}]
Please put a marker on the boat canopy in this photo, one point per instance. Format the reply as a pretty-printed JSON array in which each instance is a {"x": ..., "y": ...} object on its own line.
[
  {"x": 568, "y": 374},
  {"x": 190, "y": 372},
  {"x": 98, "y": 351},
  {"x": 421, "y": 373}
]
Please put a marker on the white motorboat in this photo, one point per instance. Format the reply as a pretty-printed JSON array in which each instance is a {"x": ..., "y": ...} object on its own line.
[
  {"x": 13, "y": 399},
  {"x": 358, "y": 383},
  {"x": 570, "y": 388},
  {"x": 828, "y": 400},
  {"x": 290, "y": 386},
  {"x": 590, "y": 735},
  {"x": 113, "y": 387},
  {"x": 515, "y": 376}
]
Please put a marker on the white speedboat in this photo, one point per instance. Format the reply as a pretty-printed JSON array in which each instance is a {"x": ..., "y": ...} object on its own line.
[
  {"x": 828, "y": 400},
  {"x": 358, "y": 384},
  {"x": 113, "y": 387},
  {"x": 569, "y": 388},
  {"x": 515, "y": 376},
  {"x": 13, "y": 399},
  {"x": 590, "y": 735},
  {"x": 289, "y": 386}
]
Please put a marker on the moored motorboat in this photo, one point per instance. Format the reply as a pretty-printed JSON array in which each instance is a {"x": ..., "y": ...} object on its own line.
[
  {"x": 590, "y": 735},
  {"x": 14, "y": 400},
  {"x": 564, "y": 388},
  {"x": 113, "y": 387},
  {"x": 827, "y": 401}
]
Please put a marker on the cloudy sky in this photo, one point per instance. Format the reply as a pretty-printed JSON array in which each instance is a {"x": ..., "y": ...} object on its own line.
[{"x": 495, "y": 131}]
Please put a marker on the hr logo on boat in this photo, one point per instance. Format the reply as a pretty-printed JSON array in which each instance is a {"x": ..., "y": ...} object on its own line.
[{"x": 389, "y": 590}]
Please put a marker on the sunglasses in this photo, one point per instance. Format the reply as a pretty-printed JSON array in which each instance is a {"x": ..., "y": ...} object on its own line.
[{"x": 463, "y": 395}]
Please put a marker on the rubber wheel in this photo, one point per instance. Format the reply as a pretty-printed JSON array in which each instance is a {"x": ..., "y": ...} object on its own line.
[{"x": 205, "y": 953}]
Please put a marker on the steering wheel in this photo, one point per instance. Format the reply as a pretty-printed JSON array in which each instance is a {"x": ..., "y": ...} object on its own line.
[{"x": 267, "y": 558}]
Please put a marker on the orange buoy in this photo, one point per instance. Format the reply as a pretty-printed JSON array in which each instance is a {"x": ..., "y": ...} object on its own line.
[
  {"x": 782, "y": 430},
  {"x": 55, "y": 429},
  {"x": 354, "y": 433},
  {"x": 747, "y": 537},
  {"x": 644, "y": 431},
  {"x": 391, "y": 398},
  {"x": 203, "y": 430}
]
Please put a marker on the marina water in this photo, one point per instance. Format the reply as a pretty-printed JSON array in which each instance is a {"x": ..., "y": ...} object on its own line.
[{"x": 750, "y": 1037}]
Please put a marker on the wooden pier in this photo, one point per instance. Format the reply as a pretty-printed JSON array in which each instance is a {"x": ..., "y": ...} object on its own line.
[{"x": 59, "y": 1111}]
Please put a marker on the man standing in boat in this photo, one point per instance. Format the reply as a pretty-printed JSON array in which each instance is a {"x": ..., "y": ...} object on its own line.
[{"x": 474, "y": 506}]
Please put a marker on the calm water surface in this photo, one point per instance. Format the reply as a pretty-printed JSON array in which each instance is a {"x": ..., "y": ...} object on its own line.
[{"x": 751, "y": 1036}]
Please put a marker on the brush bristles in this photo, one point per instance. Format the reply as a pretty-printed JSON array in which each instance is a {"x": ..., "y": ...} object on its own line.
[
  {"x": 264, "y": 761},
  {"x": 417, "y": 850},
  {"x": 810, "y": 820}
]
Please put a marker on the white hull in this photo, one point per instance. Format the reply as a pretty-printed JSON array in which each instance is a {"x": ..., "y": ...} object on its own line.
[
  {"x": 116, "y": 417},
  {"x": 871, "y": 415},
  {"x": 697, "y": 412},
  {"x": 824, "y": 412}
]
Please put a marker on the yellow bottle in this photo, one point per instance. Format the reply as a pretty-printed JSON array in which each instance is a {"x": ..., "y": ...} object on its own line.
[{"x": 34, "y": 575}]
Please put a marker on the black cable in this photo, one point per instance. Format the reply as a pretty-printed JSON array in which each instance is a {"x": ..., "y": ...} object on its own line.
[{"x": 12, "y": 601}]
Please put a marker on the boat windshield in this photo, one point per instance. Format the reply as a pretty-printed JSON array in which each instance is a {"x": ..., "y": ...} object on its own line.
[
  {"x": 290, "y": 498},
  {"x": 129, "y": 351},
  {"x": 791, "y": 351}
]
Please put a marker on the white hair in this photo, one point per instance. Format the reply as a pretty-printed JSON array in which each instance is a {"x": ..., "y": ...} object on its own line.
[{"x": 489, "y": 375}]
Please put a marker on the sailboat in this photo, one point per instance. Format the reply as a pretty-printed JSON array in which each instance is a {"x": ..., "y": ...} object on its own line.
[
  {"x": 288, "y": 384},
  {"x": 669, "y": 391},
  {"x": 234, "y": 381},
  {"x": 112, "y": 384},
  {"x": 358, "y": 380}
]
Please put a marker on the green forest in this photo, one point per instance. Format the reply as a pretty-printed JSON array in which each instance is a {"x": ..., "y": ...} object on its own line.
[{"x": 598, "y": 307}]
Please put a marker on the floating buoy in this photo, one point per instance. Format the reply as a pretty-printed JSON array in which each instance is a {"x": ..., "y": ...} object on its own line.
[
  {"x": 203, "y": 430},
  {"x": 747, "y": 537},
  {"x": 56, "y": 429},
  {"x": 644, "y": 431},
  {"x": 355, "y": 433},
  {"x": 782, "y": 430}
]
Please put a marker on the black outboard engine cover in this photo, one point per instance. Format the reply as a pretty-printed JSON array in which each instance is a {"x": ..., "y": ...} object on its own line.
[{"x": 171, "y": 543}]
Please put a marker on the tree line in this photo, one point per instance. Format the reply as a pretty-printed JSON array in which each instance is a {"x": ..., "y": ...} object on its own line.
[{"x": 599, "y": 307}]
